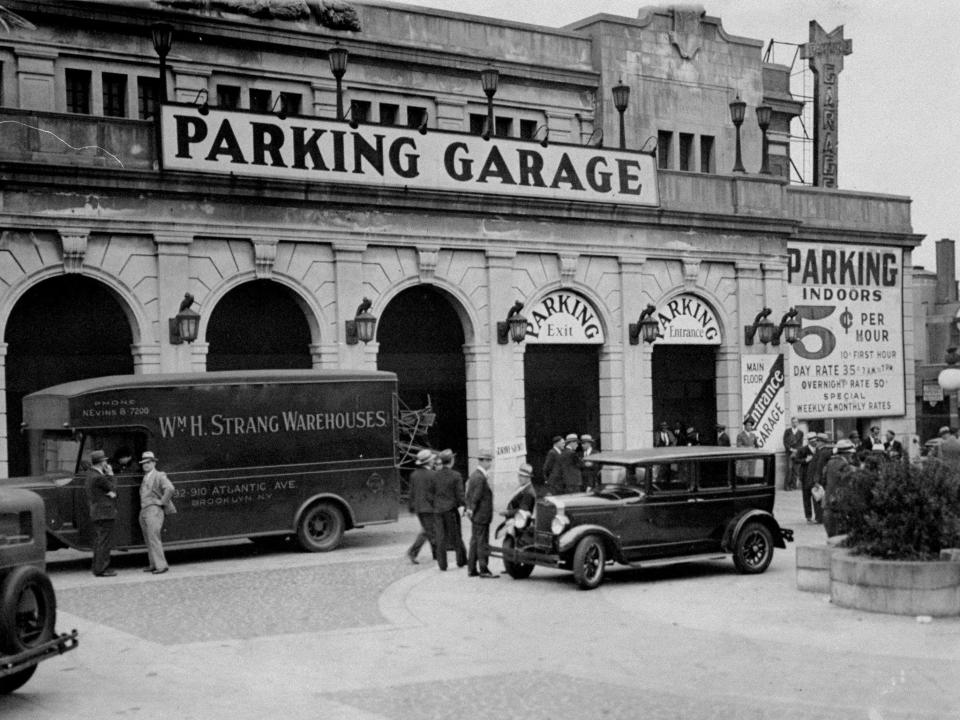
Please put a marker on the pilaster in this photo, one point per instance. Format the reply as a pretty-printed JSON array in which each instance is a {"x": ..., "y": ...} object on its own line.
[
  {"x": 636, "y": 383},
  {"x": 348, "y": 274},
  {"x": 173, "y": 282}
]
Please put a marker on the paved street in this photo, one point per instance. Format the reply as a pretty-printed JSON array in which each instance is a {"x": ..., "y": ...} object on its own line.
[{"x": 360, "y": 634}]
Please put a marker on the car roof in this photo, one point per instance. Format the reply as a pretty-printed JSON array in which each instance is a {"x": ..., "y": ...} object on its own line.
[{"x": 670, "y": 454}]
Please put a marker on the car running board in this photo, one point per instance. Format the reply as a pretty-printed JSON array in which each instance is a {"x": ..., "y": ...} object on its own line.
[{"x": 660, "y": 562}]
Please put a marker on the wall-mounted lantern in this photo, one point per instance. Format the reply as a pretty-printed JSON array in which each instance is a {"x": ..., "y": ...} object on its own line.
[
  {"x": 621, "y": 98},
  {"x": 789, "y": 328},
  {"x": 489, "y": 80},
  {"x": 185, "y": 325},
  {"x": 761, "y": 328},
  {"x": 363, "y": 326},
  {"x": 646, "y": 327},
  {"x": 337, "y": 57},
  {"x": 738, "y": 109},
  {"x": 764, "y": 113},
  {"x": 162, "y": 34},
  {"x": 514, "y": 327}
]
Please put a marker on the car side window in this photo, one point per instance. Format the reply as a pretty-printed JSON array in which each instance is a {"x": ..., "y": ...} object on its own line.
[
  {"x": 714, "y": 474},
  {"x": 674, "y": 477},
  {"x": 750, "y": 472}
]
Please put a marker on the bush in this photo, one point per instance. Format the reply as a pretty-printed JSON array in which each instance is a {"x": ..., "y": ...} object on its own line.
[{"x": 900, "y": 510}]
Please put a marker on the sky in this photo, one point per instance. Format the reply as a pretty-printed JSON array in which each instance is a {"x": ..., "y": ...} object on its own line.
[{"x": 899, "y": 92}]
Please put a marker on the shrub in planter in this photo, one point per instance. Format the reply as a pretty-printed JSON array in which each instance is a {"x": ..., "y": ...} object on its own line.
[{"x": 899, "y": 510}]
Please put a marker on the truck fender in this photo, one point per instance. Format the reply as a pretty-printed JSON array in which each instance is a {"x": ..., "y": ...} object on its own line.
[
  {"x": 568, "y": 540},
  {"x": 326, "y": 497},
  {"x": 736, "y": 525}
]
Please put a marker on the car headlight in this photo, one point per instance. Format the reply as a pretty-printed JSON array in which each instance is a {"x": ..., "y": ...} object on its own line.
[{"x": 559, "y": 524}]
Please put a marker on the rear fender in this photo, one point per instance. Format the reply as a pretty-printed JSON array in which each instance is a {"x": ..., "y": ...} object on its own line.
[
  {"x": 761, "y": 516},
  {"x": 325, "y": 497}
]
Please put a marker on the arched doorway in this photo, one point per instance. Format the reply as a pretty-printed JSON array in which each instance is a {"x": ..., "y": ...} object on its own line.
[
  {"x": 258, "y": 326},
  {"x": 62, "y": 329},
  {"x": 421, "y": 339}
]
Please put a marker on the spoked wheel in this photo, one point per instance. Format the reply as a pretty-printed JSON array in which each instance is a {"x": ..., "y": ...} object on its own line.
[
  {"x": 518, "y": 571},
  {"x": 28, "y": 610},
  {"x": 321, "y": 528},
  {"x": 589, "y": 561},
  {"x": 753, "y": 550}
]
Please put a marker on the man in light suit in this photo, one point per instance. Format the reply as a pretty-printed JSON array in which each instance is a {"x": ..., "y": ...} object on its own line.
[
  {"x": 102, "y": 497},
  {"x": 156, "y": 500},
  {"x": 949, "y": 448}
]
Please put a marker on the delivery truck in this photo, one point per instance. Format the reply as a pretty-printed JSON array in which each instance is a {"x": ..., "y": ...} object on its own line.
[{"x": 265, "y": 454}]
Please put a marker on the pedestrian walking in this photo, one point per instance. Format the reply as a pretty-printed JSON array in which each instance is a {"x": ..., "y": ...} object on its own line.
[
  {"x": 156, "y": 501},
  {"x": 102, "y": 498},
  {"x": 792, "y": 442},
  {"x": 446, "y": 496},
  {"x": 479, "y": 510},
  {"x": 421, "y": 479}
]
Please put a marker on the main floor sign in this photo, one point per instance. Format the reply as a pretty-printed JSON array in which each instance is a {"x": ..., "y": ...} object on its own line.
[
  {"x": 320, "y": 150},
  {"x": 848, "y": 360},
  {"x": 762, "y": 383}
]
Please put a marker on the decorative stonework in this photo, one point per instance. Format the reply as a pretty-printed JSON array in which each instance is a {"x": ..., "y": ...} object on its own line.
[
  {"x": 568, "y": 267},
  {"x": 265, "y": 255},
  {"x": 691, "y": 271},
  {"x": 686, "y": 35},
  {"x": 74, "y": 244},
  {"x": 427, "y": 259}
]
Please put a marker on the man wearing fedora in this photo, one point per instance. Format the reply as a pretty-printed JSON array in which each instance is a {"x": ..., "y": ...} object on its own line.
[
  {"x": 446, "y": 496},
  {"x": 589, "y": 470},
  {"x": 550, "y": 461},
  {"x": 565, "y": 476},
  {"x": 838, "y": 467},
  {"x": 479, "y": 509},
  {"x": 949, "y": 448},
  {"x": 156, "y": 500},
  {"x": 102, "y": 497},
  {"x": 421, "y": 480}
]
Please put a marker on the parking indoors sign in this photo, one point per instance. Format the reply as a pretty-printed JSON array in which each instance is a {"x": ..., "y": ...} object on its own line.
[{"x": 848, "y": 359}]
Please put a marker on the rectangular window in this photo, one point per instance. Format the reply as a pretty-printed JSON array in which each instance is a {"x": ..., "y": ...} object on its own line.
[
  {"x": 477, "y": 123},
  {"x": 416, "y": 116},
  {"x": 360, "y": 111},
  {"x": 228, "y": 97},
  {"x": 707, "y": 164},
  {"x": 527, "y": 129},
  {"x": 114, "y": 95},
  {"x": 389, "y": 113},
  {"x": 78, "y": 91},
  {"x": 291, "y": 103},
  {"x": 504, "y": 126},
  {"x": 148, "y": 95},
  {"x": 260, "y": 100},
  {"x": 664, "y": 141},
  {"x": 686, "y": 151},
  {"x": 714, "y": 474}
]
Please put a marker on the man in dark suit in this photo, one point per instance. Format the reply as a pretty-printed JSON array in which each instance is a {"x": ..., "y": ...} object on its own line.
[
  {"x": 421, "y": 480},
  {"x": 565, "y": 476},
  {"x": 446, "y": 497},
  {"x": 479, "y": 509},
  {"x": 588, "y": 469},
  {"x": 723, "y": 440},
  {"x": 663, "y": 437},
  {"x": 792, "y": 441},
  {"x": 102, "y": 497},
  {"x": 893, "y": 447},
  {"x": 549, "y": 462}
]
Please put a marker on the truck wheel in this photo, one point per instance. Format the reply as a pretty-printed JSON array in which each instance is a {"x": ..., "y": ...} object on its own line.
[
  {"x": 518, "y": 571},
  {"x": 589, "y": 560},
  {"x": 321, "y": 528},
  {"x": 17, "y": 680},
  {"x": 28, "y": 610},
  {"x": 753, "y": 549}
]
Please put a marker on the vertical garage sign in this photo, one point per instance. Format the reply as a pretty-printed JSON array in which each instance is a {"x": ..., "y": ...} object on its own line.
[
  {"x": 762, "y": 384},
  {"x": 848, "y": 361}
]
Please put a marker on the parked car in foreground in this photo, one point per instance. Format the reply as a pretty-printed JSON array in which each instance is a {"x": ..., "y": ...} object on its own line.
[
  {"x": 28, "y": 607},
  {"x": 654, "y": 506}
]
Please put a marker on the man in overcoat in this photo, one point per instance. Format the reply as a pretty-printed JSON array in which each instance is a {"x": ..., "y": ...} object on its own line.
[
  {"x": 479, "y": 509},
  {"x": 446, "y": 496},
  {"x": 663, "y": 437},
  {"x": 549, "y": 462},
  {"x": 792, "y": 442},
  {"x": 836, "y": 470},
  {"x": 723, "y": 440},
  {"x": 102, "y": 497},
  {"x": 566, "y": 476},
  {"x": 420, "y": 481}
]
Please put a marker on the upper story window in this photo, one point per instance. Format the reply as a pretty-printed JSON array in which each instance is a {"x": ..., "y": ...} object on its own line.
[
  {"x": 707, "y": 161},
  {"x": 260, "y": 100},
  {"x": 114, "y": 95},
  {"x": 148, "y": 97},
  {"x": 291, "y": 102},
  {"x": 389, "y": 113},
  {"x": 664, "y": 143},
  {"x": 528, "y": 129},
  {"x": 416, "y": 116},
  {"x": 360, "y": 111},
  {"x": 478, "y": 123},
  {"x": 686, "y": 151},
  {"x": 228, "y": 97},
  {"x": 78, "y": 91}
]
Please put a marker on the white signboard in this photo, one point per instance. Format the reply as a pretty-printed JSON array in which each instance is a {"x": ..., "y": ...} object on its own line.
[
  {"x": 515, "y": 448},
  {"x": 687, "y": 320},
  {"x": 762, "y": 382},
  {"x": 564, "y": 317},
  {"x": 308, "y": 149},
  {"x": 848, "y": 361}
]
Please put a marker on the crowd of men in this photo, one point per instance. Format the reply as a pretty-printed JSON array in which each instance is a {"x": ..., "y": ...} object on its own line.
[{"x": 567, "y": 467}]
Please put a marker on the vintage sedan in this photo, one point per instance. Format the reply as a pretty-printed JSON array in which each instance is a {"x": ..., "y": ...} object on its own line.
[{"x": 650, "y": 507}]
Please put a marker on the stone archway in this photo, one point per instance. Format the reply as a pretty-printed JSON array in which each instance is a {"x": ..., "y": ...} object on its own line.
[
  {"x": 62, "y": 329},
  {"x": 258, "y": 325},
  {"x": 421, "y": 338}
]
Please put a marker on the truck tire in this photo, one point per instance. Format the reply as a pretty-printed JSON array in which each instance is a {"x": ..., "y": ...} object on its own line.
[
  {"x": 28, "y": 610},
  {"x": 320, "y": 528},
  {"x": 17, "y": 680}
]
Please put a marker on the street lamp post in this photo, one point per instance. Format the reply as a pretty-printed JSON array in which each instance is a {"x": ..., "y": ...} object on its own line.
[
  {"x": 490, "y": 79},
  {"x": 737, "y": 110},
  {"x": 162, "y": 34},
  {"x": 621, "y": 97},
  {"x": 338, "y": 66},
  {"x": 763, "y": 120}
]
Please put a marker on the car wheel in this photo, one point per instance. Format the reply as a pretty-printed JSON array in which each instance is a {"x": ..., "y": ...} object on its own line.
[
  {"x": 28, "y": 610},
  {"x": 518, "y": 571},
  {"x": 589, "y": 561},
  {"x": 753, "y": 550},
  {"x": 17, "y": 680},
  {"x": 321, "y": 528}
]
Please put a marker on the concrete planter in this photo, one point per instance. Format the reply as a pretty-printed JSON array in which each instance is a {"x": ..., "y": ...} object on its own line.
[{"x": 899, "y": 587}]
